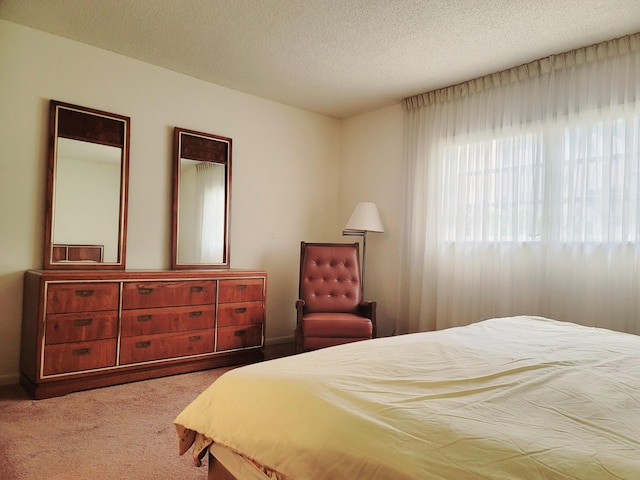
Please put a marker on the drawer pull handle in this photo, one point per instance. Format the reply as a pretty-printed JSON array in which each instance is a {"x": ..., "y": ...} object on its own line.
[
  {"x": 83, "y": 322},
  {"x": 240, "y": 310},
  {"x": 84, "y": 293},
  {"x": 239, "y": 333},
  {"x": 196, "y": 314},
  {"x": 145, "y": 291},
  {"x": 197, "y": 289},
  {"x": 241, "y": 287},
  {"x": 145, "y": 344},
  {"x": 79, "y": 352},
  {"x": 144, "y": 318},
  {"x": 195, "y": 338}
]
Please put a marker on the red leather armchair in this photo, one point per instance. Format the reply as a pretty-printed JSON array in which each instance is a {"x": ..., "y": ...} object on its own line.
[{"x": 330, "y": 309}]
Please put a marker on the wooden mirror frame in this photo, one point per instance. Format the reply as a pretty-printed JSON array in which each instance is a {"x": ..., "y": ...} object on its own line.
[
  {"x": 208, "y": 148},
  {"x": 96, "y": 127}
]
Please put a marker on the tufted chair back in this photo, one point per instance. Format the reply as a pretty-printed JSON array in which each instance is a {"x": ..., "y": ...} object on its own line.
[
  {"x": 330, "y": 277},
  {"x": 330, "y": 310}
]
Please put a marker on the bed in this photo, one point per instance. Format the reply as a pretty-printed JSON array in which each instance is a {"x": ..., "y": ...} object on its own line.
[{"x": 506, "y": 398}]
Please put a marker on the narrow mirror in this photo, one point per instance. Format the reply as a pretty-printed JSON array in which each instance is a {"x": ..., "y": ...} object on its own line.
[
  {"x": 87, "y": 188},
  {"x": 201, "y": 200}
]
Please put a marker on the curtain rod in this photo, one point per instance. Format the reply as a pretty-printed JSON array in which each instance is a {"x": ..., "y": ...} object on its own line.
[{"x": 569, "y": 59}]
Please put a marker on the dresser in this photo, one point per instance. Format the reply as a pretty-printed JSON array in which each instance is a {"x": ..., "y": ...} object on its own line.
[{"x": 88, "y": 329}]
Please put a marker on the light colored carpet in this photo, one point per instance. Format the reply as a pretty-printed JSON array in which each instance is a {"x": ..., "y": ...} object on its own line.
[{"x": 120, "y": 432}]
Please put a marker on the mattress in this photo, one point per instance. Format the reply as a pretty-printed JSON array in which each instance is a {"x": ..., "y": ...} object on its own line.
[{"x": 506, "y": 398}]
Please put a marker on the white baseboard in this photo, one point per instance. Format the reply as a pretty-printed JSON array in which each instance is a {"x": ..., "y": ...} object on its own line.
[
  {"x": 12, "y": 379},
  {"x": 279, "y": 340}
]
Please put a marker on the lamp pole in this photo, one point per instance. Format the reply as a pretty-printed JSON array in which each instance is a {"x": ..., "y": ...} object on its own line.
[
  {"x": 363, "y": 234},
  {"x": 365, "y": 218},
  {"x": 364, "y": 256}
]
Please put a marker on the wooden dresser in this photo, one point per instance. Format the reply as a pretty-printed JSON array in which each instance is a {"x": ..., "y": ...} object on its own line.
[{"x": 84, "y": 329}]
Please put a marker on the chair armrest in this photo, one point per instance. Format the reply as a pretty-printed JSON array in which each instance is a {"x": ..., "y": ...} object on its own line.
[
  {"x": 368, "y": 309},
  {"x": 299, "y": 314},
  {"x": 298, "y": 331}
]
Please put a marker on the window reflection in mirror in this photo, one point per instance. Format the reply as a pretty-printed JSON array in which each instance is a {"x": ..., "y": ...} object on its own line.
[
  {"x": 202, "y": 181},
  {"x": 201, "y": 197}
]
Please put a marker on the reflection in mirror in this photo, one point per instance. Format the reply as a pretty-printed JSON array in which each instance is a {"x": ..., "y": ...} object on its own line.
[
  {"x": 202, "y": 181},
  {"x": 87, "y": 188},
  {"x": 87, "y": 197}
]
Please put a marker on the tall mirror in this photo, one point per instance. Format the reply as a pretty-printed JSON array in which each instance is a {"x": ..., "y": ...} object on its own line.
[
  {"x": 87, "y": 182},
  {"x": 201, "y": 200}
]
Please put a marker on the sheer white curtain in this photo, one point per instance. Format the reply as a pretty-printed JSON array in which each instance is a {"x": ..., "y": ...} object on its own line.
[
  {"x": 523, "y": 194},
  {"x": 210, "y": 203}
]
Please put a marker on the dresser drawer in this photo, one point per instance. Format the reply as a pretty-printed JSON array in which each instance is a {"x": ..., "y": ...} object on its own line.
[
  {"x": 75, "y": 357},
  {"x": 230, "y": 338},
  {"x": 242, "y": 290},
  {"x": 165, "y": 320},
  {"x": 157, "y": 347},
  {"x": 81, "y": 327},
  {"x": 82, "y": 297},
  {"x": 242, "y": 313},
  {"x": 167, "y": 294}
]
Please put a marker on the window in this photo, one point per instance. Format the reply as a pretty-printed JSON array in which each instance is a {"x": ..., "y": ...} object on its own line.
[
  {"x": 577, "y": 183},
  {"x": 523, "y": 194}
]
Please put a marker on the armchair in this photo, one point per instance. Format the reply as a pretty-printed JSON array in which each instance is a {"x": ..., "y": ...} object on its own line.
[{"x": 330, "y": 309}]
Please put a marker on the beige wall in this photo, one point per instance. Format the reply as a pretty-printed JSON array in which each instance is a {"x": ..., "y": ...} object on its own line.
[
  {"x": 296, "y": 175},
  {"x": 370, "y": 170}
]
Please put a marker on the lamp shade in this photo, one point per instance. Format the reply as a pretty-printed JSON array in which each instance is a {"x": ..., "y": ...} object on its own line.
[{"x": 365, "y": 218}]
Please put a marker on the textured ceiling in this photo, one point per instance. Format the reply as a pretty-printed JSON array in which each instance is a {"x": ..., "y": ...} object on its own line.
[{"x": 334, "y": 57}]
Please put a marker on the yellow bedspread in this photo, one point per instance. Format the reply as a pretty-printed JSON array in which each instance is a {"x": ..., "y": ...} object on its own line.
[{"x": 510, "y": 398}]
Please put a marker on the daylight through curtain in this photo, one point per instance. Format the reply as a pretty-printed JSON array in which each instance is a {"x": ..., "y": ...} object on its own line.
[
  {"x": 210, "y": 203},
  {"x": 523, "y": 194}
]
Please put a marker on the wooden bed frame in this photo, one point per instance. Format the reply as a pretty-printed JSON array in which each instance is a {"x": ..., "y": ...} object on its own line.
[
  {"x": 217, "y": 470},
  {"x": 225, "y": 464}
]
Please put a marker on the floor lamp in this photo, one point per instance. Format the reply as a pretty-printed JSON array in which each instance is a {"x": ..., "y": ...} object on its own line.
[{"x": 365, "y": 218}]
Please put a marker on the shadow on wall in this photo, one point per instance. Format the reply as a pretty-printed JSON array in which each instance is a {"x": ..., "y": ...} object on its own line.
[
  {"x": 282, "y": 267},
  {"x": 10, "y": 325}
]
